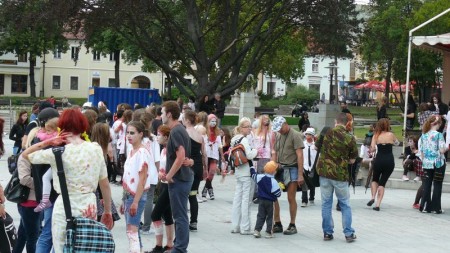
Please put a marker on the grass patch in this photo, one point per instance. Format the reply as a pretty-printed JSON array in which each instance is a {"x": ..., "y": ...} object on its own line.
[{"x": 360, "y": 132}]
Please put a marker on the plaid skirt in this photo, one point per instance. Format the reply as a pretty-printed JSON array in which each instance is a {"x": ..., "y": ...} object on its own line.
[{"x": 418, "y": 167}]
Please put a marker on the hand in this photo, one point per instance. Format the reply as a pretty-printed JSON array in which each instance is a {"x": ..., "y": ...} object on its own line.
[
  {"x": 300, "y": 180},
  {"x": 133, "y": 209},
  {"x": 169, "y": 179},
  {"x": 107, "y": 220},
  {"x": 90, "y": 212},
  {"x": 57, "y": 140},
  {"x": 188, "y": 162}
]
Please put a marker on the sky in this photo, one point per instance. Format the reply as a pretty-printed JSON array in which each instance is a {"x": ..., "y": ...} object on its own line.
[{"x": 362, "y": 1}]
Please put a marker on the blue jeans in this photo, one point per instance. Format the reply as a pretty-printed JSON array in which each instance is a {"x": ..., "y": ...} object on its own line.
[
  {"x": 179, "y": 193},
  {"x": 44, "y": 243},
  {"x": 327, "y": 187},
  {"x": 28, "y": 233},
  {"x": 15, "y": 150}
]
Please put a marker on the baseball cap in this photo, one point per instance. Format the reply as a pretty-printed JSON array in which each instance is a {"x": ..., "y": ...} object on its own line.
[
  {"x": 310, "y": 131},
  {"x": 278, "y": 123}
]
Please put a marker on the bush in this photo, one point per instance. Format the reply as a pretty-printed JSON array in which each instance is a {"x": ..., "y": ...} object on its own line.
[{"x": 302, "y": 94}]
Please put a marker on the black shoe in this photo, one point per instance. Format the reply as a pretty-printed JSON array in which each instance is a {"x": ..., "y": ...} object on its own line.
[
  {"x": 350, "y": 238},
  {"x": 290, "y": 230},
  {"x": 156, "y": 249},
  {"x": 278, "y": 228},
  {"x": 370, "y": 203},
  {"x": 328, "y": 237},
  {"x": 193, "y": 227},
  {"x": 377, "y": 208}
]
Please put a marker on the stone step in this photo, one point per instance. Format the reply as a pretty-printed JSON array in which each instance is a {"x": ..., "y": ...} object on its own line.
[{"x": 398, "y": 173}]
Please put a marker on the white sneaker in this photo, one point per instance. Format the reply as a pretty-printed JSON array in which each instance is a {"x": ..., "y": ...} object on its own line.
[
  {"x": 405, "y": 178},
  {"x": 417, "y": 179},
  {"x": 199, "y": 198},
  {"x": 304, "y": 204},
  {"x": 204, "y": 199}
]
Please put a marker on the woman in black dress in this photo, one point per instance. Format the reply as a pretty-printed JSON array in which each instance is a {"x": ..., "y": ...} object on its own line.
[
  {"x": 382, "y": 141},
  {"x": 205, "y": 105},
  {"x": 200, "y": 159},
  {"x": 382, "y": 109}
]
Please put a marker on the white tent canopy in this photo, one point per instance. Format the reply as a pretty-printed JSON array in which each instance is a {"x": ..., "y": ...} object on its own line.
[{"x": 439, "y": 42}]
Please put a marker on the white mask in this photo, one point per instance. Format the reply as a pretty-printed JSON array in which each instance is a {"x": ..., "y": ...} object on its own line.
[{"x": 212, "y": 123}]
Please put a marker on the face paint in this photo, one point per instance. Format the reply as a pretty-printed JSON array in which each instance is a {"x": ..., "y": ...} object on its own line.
[{"x": 212, "y": 123}]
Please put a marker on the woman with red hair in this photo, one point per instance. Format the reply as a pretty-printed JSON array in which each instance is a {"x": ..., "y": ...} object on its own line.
[
  {"x": 84, "y": 168},
  {"x": 382, "y": 141},
  {"x": 214, "y": 152}
]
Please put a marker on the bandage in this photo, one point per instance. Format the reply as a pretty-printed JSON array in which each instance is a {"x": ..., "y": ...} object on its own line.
[
  {"x": 159, "y": 230},
  {"x": 133, "y": 240}
]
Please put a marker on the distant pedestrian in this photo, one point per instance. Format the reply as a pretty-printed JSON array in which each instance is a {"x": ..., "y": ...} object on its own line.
[
  {"x": 219, "y": 108},
  {"x": 18, "y": 131},
  {"x": 382, "y": 108}
]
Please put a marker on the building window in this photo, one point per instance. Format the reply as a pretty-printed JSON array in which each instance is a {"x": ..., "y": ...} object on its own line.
[
  {"x": 19, "y": 84},
  {"x": 22, "y": 58},
  {"x": 74, "y": 83},
  {"x": 57, "y": 53},
  {"x": 111, "y": 82},
  {"x": 96, "y": 56},
  {"x": 111, "y": 56},
  {"x": 314, "y": 86},
  {"x": 75, "y": 53},
  {"x": 271, "y": 88},
  {"x": 95, "y": 82},
  {"x": 56, "y": 83},
  {"x": 315, "y": 66}
]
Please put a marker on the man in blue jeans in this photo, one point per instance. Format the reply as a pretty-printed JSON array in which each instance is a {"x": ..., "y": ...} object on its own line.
[
  {"x": 178, "y": 175},
  {"x": 337, "y": 150}
]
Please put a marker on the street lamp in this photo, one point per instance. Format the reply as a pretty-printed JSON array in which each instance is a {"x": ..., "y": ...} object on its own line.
[{"x": 332, "y": 68}]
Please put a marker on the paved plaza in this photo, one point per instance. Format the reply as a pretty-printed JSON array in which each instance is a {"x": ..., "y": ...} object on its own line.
[{"x": 396, "y": 228}]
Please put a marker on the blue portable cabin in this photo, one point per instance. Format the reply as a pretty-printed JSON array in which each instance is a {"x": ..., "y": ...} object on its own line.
[{"x": 114, "y": 96}]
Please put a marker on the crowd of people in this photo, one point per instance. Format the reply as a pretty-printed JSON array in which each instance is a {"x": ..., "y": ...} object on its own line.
[{"x": 163, "y": 153}]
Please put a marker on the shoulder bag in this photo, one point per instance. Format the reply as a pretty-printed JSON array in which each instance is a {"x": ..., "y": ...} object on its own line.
[
  {"x": 14, "y": 191},
  {"x": 313, "y": 176},
  {"x": 83, "y": 235}
]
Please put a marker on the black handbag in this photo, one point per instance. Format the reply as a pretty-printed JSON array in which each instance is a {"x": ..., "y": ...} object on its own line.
[
  {"x": 83, "y": 235},
  {"x": 313, "y": 176},
  {"x": 14, "y": 191}
]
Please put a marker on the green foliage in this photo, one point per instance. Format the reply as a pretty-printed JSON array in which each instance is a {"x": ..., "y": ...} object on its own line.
[{"x": 303, "y": 94}]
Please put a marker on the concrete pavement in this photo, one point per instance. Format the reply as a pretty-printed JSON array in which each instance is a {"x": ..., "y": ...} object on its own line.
[{"x": 396, "y": 228}]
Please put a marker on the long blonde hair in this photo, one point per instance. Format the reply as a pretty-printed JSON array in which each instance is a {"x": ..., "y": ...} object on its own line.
[
  {"x": 237, "y": 129},
  {"x": 258, "y": 130}
]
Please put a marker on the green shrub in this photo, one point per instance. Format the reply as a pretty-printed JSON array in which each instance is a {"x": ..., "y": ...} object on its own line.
[{"x": 302, "y": 94}]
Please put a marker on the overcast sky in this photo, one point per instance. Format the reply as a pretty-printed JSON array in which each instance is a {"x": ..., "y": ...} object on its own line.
[{"x": 362, "y": 1}]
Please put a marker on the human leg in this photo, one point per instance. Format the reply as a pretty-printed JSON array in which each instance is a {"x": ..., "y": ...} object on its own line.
[
  {"x": 133, "y": 222},
  {"x": 148, "y": 209},
  {"x": 44, "y": 243},
  {"x": 326, "y": 191},
  {"x": 343, "y": 195},
  {"x": 247, "y": 193},
  {"x": 178, "y": 194},
  {"x": 46, "y": 189},
  {"x": 425, "y": 203},
  {"x": 437, "y": 189},
  {"x": 380, "y": 196},
  {"x": 269, "y": 216},
  {"x": 28, "y": 229},
  {"x": 193, "y": 203},
  {"x": 237, "y": 206},
  {"x": 261, "y": 216},
  {"x": 292, "y": 192}
]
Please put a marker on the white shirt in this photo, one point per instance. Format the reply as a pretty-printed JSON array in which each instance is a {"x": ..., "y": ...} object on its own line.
[
  {"x": 244, "y": 169},
  {"x": 212, "y": 148},
  {"x": 313, "y": 153},
  {"x": 133, "y": 165}
]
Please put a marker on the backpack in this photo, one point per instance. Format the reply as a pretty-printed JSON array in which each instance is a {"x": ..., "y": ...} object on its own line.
[{"x": 237, "y": 155}]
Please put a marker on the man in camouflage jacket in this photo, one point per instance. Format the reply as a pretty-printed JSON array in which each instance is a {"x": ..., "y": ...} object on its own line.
[{"x": 338, "y": 149}]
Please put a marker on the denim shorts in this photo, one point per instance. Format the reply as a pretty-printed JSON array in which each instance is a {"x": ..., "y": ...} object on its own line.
[
  {"x": 136, "y": 219},
  {"x": 290, "y": 174}
]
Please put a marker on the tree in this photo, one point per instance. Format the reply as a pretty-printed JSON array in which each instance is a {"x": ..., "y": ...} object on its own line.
[
  {"x": 32, "y": 27},
  {"x": 107, "y": 41},
  {"x": 382, "y": 44},
  {"x": 218, "y": 43}
]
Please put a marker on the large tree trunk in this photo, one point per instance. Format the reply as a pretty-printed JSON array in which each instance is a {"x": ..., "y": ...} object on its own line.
[
  {"x": 32, "y": 79},
  {"x": 117, "y": 68}
]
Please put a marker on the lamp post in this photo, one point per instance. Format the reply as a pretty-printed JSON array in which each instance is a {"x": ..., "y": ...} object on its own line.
[{"x": 332, "y": 68}]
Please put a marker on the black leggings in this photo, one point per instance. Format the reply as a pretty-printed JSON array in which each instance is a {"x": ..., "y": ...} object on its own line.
[
  {"x": 193, "y": 199},
  {"x": 162, "y": 209}
]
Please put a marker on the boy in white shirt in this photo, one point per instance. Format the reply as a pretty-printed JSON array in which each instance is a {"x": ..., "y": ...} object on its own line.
[{"x": 309, "y": 156}]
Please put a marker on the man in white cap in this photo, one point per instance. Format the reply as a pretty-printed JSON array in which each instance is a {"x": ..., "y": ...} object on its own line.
[
  {"x": 309, "y": 154},
  {"x": 288, "y": 154}
]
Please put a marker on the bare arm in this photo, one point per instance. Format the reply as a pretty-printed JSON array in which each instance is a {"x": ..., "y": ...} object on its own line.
[{"x": 299, "y": 153}]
